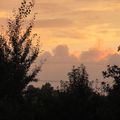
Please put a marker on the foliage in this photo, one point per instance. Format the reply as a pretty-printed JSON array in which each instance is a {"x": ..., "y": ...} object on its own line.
[
  {"x": 17, "y": 54},
  {"x": 114, "y": 73}
]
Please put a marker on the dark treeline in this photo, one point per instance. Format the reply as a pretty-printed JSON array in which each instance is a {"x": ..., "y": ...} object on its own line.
[{"x": 75, "y": 99}]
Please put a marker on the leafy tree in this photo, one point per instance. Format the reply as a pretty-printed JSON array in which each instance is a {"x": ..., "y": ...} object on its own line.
[
  {"x": 114, "y": 73},
  {"x": 17, "y": 61},
  {"x": 78, "y": 80},
  {"x": 17, "y": 53}
]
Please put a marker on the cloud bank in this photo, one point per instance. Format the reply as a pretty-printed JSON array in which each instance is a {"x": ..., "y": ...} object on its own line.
[{"x": 61, "y": 61}]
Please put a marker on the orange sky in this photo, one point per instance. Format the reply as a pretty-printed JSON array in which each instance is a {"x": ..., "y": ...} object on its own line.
[
  {"x": 79, "y": 24},
  {"x": 83, "y": 28}
]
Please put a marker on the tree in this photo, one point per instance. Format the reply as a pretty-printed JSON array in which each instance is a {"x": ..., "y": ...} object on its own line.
[
  {"x": 17, "y": 53},
  {"x": 113, "y": 98},
  {"x": 47, "y": 89},
  {"x": 78, "y": 98},
  {"x": 114, "y": 73},
  {"x": 78, "y": 80}
]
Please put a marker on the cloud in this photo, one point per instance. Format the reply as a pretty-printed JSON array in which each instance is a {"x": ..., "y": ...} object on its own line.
[
  {"x": 61, "y": 61},
  {"x": 53, "y": 23},
  {"x": 50, "y": 7},
  {"x": 114, "y": 59},
  {"x": 57, "y": 65},
  {"x": 3, "y": 21},
  {"x": 61, "y": 50},
  {"x": 72, "y": 34},
  {"x": 60, "y": 55},
  {"x": 6, "y": 5},
  {"x": 94, "y": 55}
]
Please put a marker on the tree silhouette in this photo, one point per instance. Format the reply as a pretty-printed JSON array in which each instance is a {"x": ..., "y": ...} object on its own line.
[
  {"x": 17, "y": 59},
  {"x": 78, "y": 80},
  {"x": 77, "y": 95},
  {"x": 113, "y": 72},
  {"x": 17, "y": 53}
]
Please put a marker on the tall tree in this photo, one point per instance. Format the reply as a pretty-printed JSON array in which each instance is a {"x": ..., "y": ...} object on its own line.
[{"x": 17, "y": 53}]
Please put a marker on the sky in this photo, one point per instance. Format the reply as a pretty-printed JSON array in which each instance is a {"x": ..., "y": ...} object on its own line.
[{"x": 74, "y": 32}]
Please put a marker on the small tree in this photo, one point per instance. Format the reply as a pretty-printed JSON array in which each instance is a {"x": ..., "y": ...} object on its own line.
[
  {"x": 114, "y": 73},
  {"x": 78, "y": 76},
  {"x": 78, "y": 81},
  {"x": 17, "y": 53}
]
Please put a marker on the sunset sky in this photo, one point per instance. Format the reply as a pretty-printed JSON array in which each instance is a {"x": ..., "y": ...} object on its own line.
[{"x": 74, "y": 32}]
